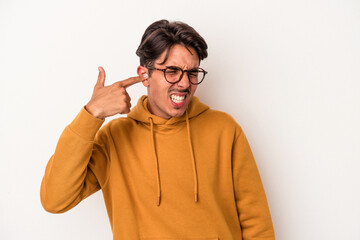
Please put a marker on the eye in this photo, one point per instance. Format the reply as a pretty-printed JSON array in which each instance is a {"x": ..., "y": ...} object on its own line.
[
  {"x": 173, "y": 70},
  {"x": 194, "y": 73}
]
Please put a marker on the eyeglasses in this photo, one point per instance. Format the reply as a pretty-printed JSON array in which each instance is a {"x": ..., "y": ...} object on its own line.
[{"x": 174, "y": 74}]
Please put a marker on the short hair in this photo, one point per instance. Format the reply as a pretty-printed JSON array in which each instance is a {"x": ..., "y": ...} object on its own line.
[{"x": 162, "y": 35}]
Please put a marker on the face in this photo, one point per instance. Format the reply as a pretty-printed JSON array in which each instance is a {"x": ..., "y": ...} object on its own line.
[{"x": 168, "y": 100}]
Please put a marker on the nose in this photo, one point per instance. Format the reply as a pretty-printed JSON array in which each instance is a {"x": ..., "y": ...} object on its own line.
[{"x": 185, "y": 81}]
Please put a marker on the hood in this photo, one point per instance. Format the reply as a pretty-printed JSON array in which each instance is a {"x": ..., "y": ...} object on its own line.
[{"x": 141, "y": 113}]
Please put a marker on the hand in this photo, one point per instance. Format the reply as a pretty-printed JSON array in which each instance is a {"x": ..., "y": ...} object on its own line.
[{"x": 110, "y": 100}]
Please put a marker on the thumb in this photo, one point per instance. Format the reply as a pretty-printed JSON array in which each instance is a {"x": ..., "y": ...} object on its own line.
[{"x": 101, "y": 78}]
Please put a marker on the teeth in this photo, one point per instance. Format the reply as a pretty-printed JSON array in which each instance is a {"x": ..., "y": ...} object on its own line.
[{"x": 177, "y": 99}]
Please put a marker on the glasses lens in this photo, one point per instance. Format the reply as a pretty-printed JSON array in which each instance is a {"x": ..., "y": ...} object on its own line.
[
  {"x": 196, "y": 76},
  {"x": 172, "y": 74}
]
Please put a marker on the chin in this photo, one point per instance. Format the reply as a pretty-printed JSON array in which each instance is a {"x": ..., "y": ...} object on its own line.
[{"x": 177, "y": 113}]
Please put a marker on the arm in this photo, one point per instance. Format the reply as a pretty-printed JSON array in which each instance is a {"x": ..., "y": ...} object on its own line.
[
  {"x": 79, "y": 166},
  {"x": 251, "y": 202}
]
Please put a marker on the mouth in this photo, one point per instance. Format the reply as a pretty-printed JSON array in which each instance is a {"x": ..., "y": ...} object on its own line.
[{"x": 178, "y": 99}]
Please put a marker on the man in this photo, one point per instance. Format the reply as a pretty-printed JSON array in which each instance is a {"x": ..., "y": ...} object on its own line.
[{"x": 173, "y": 168}]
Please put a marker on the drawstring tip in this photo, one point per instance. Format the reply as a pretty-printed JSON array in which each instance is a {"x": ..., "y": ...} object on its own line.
[
  {"x": 196, "y": 197},
  {"x": 158, "y": 203}
]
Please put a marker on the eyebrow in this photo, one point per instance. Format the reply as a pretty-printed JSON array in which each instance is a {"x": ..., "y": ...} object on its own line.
[{"x": 172, "y": 66}]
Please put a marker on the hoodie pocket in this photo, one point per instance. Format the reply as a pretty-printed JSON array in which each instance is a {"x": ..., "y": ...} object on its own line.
[{"x": 168, "y": 238}]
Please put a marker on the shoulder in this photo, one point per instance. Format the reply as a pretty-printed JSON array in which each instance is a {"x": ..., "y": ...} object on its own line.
[
  {"x": 215, "y": 119},
  {"x": 219, "y": 117}
]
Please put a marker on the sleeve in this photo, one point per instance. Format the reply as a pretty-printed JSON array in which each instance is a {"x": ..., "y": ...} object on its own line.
[
  {"x": 79, "y": 165},
  {"x": 253, "y": 210}
]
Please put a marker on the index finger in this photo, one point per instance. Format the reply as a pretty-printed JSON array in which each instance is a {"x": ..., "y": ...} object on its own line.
[{"x": 130, "y": 81}]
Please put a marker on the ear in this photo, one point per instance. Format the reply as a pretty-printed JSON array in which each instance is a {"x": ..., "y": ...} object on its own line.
[{"x": 143, "y": 73}]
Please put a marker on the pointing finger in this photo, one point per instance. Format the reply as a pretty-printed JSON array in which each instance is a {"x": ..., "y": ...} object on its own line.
[{"x": 130, "y": 81}]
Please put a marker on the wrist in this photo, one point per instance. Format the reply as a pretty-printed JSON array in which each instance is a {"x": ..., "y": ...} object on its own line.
[{"x": 93, "y": 112}]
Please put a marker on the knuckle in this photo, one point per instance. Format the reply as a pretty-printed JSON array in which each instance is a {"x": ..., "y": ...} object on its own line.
[
  {"x": 123, "y": 99},
  {"x": 118, "y": 85},
  {"x": 127, "y": 110},
  {"x": 122, "y": 89}
]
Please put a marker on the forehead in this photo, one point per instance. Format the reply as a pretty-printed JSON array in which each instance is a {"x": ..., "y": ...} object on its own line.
[{"x": 180, "y": 56}]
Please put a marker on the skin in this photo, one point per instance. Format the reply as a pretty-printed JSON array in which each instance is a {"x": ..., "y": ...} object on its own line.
[{"x": 159, "y": 90}]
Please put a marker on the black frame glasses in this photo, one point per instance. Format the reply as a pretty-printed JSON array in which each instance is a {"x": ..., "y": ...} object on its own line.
[{"x": 172, "y": 68}]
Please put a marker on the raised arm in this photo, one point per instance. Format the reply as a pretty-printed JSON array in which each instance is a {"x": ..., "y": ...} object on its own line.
[
  {"x": 80, "y": 165},
  {"x": 70, "y": 173}
]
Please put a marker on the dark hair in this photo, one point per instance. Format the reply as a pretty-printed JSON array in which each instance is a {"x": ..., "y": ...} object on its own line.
[{"x": 162, "y": 35}]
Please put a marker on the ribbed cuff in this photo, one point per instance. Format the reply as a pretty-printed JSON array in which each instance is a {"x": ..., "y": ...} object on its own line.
[{"x": 86, "y": 125}]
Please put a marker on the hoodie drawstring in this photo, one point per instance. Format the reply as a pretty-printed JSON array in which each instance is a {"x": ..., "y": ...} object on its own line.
[
  {"x": 157, "y": 162},
  {"x": 192, "y": 157}
]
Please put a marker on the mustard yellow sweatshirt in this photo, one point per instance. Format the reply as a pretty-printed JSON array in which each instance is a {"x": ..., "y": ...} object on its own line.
[{"x": 191, "y": 177}]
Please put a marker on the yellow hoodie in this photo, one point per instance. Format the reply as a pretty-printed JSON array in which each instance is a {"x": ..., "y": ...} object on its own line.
[{"x": 191, "y": 177}]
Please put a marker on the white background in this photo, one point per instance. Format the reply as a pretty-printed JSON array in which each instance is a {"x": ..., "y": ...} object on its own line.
[{"x": 287, "y": 71}]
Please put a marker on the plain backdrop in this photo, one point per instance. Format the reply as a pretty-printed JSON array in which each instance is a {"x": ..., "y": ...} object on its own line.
[{"x": 287, "y": 71}]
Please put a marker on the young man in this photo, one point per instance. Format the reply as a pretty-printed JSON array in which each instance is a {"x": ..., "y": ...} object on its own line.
[{"x": 173, "y": 168}]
